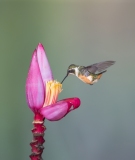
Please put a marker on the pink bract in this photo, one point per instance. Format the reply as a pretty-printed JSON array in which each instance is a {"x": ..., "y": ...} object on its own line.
[{"x": 40, "y": 86}]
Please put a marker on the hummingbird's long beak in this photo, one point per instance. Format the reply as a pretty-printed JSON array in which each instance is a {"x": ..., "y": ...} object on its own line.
[{"x": 64, "y": 78}]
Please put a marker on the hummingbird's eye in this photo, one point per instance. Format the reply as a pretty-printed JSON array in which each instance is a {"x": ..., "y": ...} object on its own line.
[{"x": 71, "y": 71}]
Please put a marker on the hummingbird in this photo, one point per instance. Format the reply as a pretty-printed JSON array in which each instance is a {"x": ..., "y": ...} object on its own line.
[{"x": 89, "y": 74}]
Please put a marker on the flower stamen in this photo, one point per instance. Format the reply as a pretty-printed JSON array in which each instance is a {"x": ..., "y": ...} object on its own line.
[{"x": 53, "y": 89}]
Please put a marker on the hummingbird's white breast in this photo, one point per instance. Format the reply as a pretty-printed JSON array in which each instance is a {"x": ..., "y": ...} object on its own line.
[{"x": 76, "y": 71}]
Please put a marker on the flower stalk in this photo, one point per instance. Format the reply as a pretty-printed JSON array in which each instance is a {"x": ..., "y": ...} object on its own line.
[{"x": 38, "y": 137}]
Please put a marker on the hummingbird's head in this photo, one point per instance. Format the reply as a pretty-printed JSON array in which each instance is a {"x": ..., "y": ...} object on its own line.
[{"x": 71, "y": 70}]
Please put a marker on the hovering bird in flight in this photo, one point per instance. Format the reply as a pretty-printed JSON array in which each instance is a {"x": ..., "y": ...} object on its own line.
[{"x": 89, "y": 74}]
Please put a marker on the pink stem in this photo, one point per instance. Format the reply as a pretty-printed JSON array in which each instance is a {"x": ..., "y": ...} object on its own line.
[{"x": 38, "y": 137}]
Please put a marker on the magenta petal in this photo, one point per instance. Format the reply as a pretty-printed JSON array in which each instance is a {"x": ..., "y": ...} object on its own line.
[
  {"x": 74, "y": 103},
  {"x": 34, "y": 85},
  {"x": 56, "y": 111},
  {"x": 44, "y": 65},
  {"x": 60, "y": 109}
]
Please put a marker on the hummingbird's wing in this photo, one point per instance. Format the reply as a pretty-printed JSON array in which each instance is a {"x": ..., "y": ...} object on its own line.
[{"x": 97, "y": 67}]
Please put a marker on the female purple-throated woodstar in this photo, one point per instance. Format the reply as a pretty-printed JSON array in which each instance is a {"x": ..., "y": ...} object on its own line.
[{"x": 89, "y": 74}]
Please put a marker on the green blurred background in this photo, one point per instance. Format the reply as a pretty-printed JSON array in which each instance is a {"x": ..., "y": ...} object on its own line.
[{"x": 79, "y": 32}]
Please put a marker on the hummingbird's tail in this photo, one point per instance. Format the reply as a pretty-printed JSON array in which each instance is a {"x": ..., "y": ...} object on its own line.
[{"x": 100, "y": 74}]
